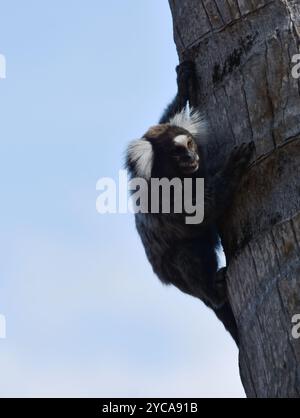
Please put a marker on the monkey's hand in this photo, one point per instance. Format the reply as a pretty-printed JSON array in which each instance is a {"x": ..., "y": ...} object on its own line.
[
  {"x": 187, "y": 83},
  {"x": 219, "y": 190},
  {"x": 186, "y": 92},
  {"x": 238, "y": 161}
]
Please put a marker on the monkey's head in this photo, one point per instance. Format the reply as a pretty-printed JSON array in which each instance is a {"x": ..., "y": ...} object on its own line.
[{"x": 169, "y": 150}]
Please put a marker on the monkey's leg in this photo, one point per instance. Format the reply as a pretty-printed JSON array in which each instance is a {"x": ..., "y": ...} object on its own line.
[
  {"x": 225, "y": 315},
  {"x": 198, "y": 276},
  {"x": 186, "y": 90}
]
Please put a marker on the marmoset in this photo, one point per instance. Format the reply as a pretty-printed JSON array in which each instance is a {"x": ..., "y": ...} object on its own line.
[{"x": 182, "y": 254}]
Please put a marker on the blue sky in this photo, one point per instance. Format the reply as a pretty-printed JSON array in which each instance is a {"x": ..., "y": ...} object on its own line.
[{"x": 85, "y": 314}]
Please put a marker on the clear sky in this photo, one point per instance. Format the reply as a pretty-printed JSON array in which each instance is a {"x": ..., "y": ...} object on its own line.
[{"x": 85, "y": 314}]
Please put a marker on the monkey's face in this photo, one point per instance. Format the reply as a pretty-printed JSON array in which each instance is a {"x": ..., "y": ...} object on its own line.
[
  {"x": 185, "y": 154},
  {"x": 166, "y": 151}
]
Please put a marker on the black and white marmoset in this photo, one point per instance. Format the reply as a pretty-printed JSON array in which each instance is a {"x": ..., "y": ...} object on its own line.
[{"x": 181, "y": 254}]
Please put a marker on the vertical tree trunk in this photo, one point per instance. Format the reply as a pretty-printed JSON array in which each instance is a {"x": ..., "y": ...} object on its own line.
[{"x": 243, "y": 52}]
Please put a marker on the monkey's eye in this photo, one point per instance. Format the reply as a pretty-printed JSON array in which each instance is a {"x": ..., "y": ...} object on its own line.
[{"x": 190, "y": 144}]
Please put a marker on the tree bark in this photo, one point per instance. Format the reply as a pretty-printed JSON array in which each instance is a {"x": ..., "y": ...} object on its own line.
[{"x": 243, "y": 53}]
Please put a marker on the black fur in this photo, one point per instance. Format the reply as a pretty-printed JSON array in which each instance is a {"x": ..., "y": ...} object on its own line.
[{"x": 181, "y": 254}]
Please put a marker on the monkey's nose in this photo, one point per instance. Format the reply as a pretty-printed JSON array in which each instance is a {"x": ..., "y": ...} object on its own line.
[{"x": 190, "y": 157}]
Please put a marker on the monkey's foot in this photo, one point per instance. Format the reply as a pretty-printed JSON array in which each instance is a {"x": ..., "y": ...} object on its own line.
[{"x": 221, "y": 289}]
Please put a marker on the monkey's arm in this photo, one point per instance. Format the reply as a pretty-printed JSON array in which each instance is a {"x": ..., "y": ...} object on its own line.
[
  {"x": 186, "y": 90},
  {"x": 219, "y": 190}
]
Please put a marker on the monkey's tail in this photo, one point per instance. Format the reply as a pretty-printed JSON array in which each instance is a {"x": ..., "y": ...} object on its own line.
[{"x": 225, "y": 315}]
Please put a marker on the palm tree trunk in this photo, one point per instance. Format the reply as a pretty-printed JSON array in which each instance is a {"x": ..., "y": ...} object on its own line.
[{"x": 243, "y": 51}]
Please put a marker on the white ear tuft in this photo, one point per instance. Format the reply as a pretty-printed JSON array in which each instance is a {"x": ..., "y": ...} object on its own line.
[
  {"x": 191, "y": 120},
  {"x": 140, "y": 153}
]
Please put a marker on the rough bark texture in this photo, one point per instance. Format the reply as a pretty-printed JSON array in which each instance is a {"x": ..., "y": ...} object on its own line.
[{"x": 243, "y": 51}]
